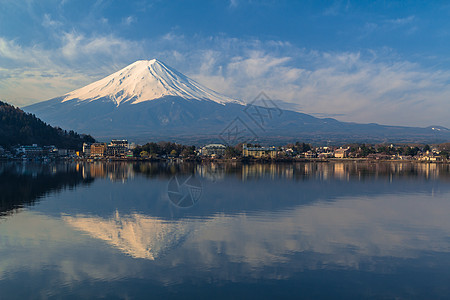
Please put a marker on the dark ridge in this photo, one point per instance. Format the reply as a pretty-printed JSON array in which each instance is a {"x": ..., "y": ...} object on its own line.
[{"x": 18, "y": 127}]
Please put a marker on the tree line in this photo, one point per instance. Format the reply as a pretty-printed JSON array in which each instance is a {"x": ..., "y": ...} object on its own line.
[
  {"x": 170, "y": 149},
  {"x": 164, "y": 149},
  {"x": 20, "y": 128}
]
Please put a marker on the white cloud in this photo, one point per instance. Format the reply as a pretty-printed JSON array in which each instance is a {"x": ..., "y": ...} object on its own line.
[
  {"x": 366, "y": 86},
  {"x": 71, "y": 45},
  {"x": 10, "y": 50},
  {"x": 352, "y": 86},
  {"x": 234, "y": 3},
  {"x": 32, "y": 74},
  {"x": 338, "y": 7},
  {"x": 49, "y": 22},
  {"x": 407, "y": 25},
  {"x": 257, "y": 64},
  {"x": 129, "y": 20},
  {"x": 170, "y": 36},
  {"x": 401, "y": 21},
  {"x": 76, "y": 46}
]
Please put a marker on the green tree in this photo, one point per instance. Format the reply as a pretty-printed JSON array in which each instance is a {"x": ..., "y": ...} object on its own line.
[
  {"x": 300, "y": 148},
  {"x": 188, "y": 151},
  {"x": 412, "y": 151},
  {"x": 445, "y": 153},
  {"x": 18, "y": 127},
  {"x": 232, "y": 152}
]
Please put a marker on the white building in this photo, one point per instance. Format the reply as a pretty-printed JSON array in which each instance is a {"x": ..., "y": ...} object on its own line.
[
  {"x": 213, "y": 150},
  {"x": 31, "y": 151},
  {"x": 87, "y": 149}
]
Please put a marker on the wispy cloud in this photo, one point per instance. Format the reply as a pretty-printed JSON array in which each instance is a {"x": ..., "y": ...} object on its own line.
[
  {"x": 129, "y": 20},
  {"x": 337, "y": 8},
  {"x": 77, "y": 46},
  {"x": 33, "y": 73},
  {"x": 234, "y": 3},
  {"x": 407, "y": 25},
  {"x": 364, "y": 86},
  {"x": 401, "y": 21},
  {"x": 352, "y": 86},
  {"x": 49, "y": 22}
]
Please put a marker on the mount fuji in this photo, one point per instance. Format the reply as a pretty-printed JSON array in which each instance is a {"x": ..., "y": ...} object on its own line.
[
  {"x": 148, "y": 100},
  {"x": 145, "y": 81}
]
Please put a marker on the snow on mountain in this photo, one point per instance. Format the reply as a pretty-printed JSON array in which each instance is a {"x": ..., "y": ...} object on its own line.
[{"x": 146, "y": 80}]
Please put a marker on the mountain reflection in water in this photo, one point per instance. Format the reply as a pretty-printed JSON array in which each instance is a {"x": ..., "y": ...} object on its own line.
[
  {"x": 136, "y": 235},
  {"x": 350, "y": 228},
  {"x": 114, "y": 223}
]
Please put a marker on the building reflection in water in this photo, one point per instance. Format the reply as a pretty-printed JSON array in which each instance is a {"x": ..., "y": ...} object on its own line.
[
  {"x": 112, "y": 170},
  {"x": 123, "y": 171},
  {"x": 275, "y": 221}
]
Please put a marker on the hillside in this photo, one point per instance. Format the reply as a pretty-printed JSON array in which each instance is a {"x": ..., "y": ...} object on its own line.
[{"x": 19, "y": 127}]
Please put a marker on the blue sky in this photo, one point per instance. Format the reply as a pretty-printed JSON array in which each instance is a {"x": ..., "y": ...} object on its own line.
[{"x": 362, "y": 61}]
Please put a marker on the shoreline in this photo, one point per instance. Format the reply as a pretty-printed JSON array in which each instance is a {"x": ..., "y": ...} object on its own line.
[{"x": 227, "y": 160}]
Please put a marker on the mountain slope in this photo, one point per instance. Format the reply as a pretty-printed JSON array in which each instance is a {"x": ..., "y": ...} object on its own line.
[
  {"x": 144, "y": 81},
  {"x": 18, "y": 127},
  {"x": 148, "y": 100}
]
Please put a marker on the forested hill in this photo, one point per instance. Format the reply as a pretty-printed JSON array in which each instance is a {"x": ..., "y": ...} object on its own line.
[{"x": 19, "y": 127}]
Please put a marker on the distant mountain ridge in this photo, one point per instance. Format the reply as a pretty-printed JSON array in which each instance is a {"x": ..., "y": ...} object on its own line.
[
  {"x": 18, "y": 127},
  {"x": 148, "y": 100}
]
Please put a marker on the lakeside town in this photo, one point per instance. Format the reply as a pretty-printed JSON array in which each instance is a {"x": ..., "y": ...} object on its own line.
[{"x": 123, "y": 150}]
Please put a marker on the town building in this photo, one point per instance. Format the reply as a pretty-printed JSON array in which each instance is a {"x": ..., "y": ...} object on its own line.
[
  {"x": 325, "y": 155},
  {"x": 341, "y": 152},
  {"x": 288, "y": 151},
  {"x": 259, "y": 152},
  {"x": 63, "y": 152},
  {"x": 213, "y": 150},
  {"x": 30, "y": 151},
  {"x": 117, "y": 148},
  {"x": 51, "y": 151},
  {"x": 309, "y": 154},
  {"x": 87, "y": 149},
  {"x": 430, "y": 156},
  {"x": 98, "y": 149}
]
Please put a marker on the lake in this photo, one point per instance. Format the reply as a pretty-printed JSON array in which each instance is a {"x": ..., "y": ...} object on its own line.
[{"x": 336, "y": 230}]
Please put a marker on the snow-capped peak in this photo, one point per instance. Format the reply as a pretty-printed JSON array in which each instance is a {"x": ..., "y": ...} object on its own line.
[{"x": 146, "y": 80}]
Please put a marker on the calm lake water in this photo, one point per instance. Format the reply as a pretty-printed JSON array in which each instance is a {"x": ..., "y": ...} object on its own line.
[{"x": 306, "y": 230}]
